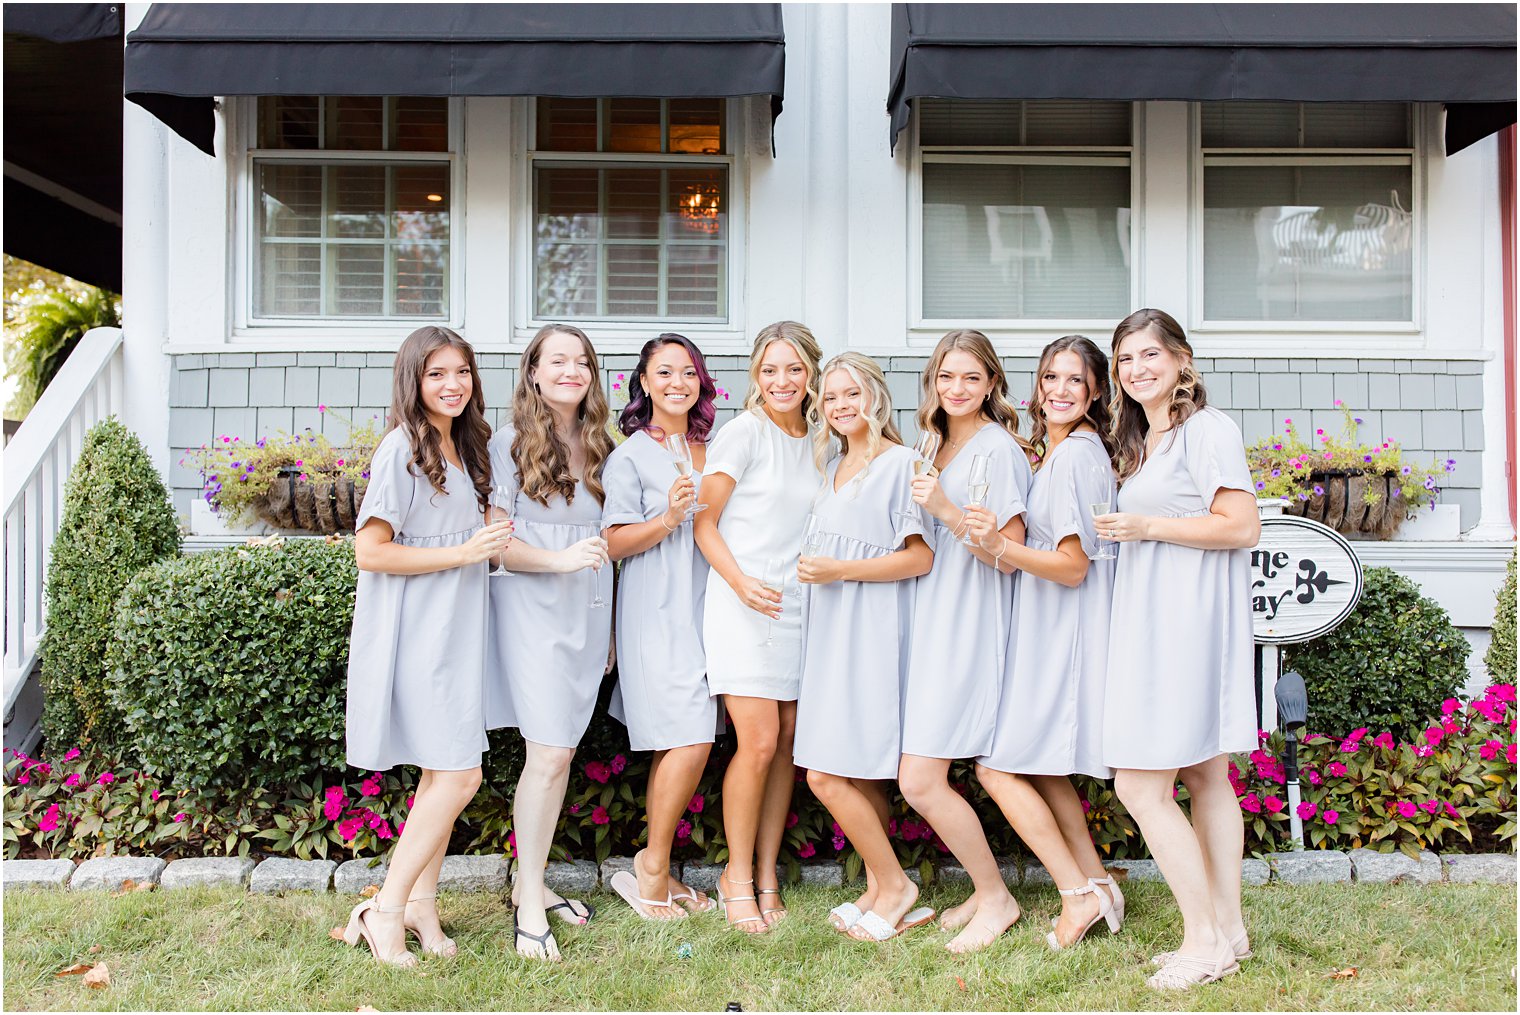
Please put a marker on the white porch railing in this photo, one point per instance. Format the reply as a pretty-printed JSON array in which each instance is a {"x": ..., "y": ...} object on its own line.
[{"x": 87, "y": 389}]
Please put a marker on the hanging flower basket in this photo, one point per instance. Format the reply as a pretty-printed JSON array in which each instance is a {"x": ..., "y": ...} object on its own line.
[
  {"x": 318, "y": 503},
  {"x": 1345, "y": 504}
]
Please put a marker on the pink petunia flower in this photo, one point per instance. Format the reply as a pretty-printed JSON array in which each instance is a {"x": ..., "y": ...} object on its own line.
[
  {"x": 599, "y": 815},
  {"x": 697, "y": 803}
]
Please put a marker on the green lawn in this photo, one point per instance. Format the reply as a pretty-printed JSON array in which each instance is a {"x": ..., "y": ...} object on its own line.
[{"x": 1417, "y": 948}]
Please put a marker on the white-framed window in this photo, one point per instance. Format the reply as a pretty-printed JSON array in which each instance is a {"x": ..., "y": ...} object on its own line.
[
  {"x": 632, "y": 207},
  {"x": 1023, "y": 213},
  {"x": 1309, "y": 215},
  {"x": 348, "y": 210}
]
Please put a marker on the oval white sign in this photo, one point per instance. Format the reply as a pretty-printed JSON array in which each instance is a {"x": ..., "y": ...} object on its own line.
[{"x": 1305, "y": 579}]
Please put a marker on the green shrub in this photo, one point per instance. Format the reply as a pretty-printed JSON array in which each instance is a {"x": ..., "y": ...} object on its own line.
[
  {"x": 1388, "y": 666},
  {"x": 116, "y": 521},
  {"x": 230, "y": 667},
  {"x": 1500, "y": 657}
]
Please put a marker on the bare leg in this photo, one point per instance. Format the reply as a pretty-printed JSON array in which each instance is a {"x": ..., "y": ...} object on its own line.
[
  {"x": 992, "y": 910},
  {"x": 1148, "y": 796},
  {"x": 426, "y": 834},
  {"x": 535, "y": 811},
  {"x": 757, "y": 725},
  {"x": 891, "y": 893},
  {"x": 673, "y": 778},
  {"x": 779, "y": 783},
  {"x": 1061, "y": 797},
  {"x": 422, "y": 915},
  {"x": 1221, "y": 836},
  {"x": 1030, "y": 816}
]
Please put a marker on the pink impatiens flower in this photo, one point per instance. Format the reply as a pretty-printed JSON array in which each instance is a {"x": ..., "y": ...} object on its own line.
[
  {"x": 181, "y": 816},
  {"x": 332, "y": 809},
  {"x": 806, "y": 850},
  {"x": 106, "y": 778},
  {"x": 1490, "y": 749},
  {"x": 1430, "y": 806},
  {"x": 1335, "y": 768},
  {"x": 1307, "y": 810},
  {"x": 791, "y": 819},
  {"x": 71, "y": 754},
  {"x": 697, "y": 803},
  {"x": 1407, "y": 809},
  {"x": 1384, "y": 740},
  {"x": 618, "y": 764},
  {"x": 154, "y": 795},
  {"x": 1250, "y": 803},
  {"x": 1330, "y": 817},
  {"x": 1434, "y": 735},
  {"x": 598, "y": 772},
  {"x": 73, "y": 779},
  {"x": 599, "y": 815},
  {"x": 49, "y": 820},
  {"x": 371, "y": 786},
  {"x": 1450, "y": 705},
  {"x": 683, "y": 831},
  {"x": 1272, "y": 804}
]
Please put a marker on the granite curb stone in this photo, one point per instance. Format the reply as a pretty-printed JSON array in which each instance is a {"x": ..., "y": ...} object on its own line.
[
  {"x": 1312, "y": 867},
  {"x": 473, "y": 873},
  {"x": 570, "y": 876},
  {"x": 111, "y": 871},
  {"x": 1255, "y": 872},
  {"x": 353, "y": 876},
  {"x": 1138, "y": 870},
  {"x": 279, "y": 874},
  {"x": 1395, "y": 868},
  {"x": 53, "y": 874},
  {"x": 613, "y": 864},
  {"x": 209, "y": 870},
  {"x": 701, "y": 876},
  {"x": 1493, "y": 868}
]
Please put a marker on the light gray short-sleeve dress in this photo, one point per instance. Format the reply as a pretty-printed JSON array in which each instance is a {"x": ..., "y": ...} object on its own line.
[
  {"x": 1180, "y": 663},
  {"x": 856, "y": 634},
  {"x": 416, "y": 662},
  {"x": 962, "y": 615},
  {"x": 547, "y": 649},
  {"x": 775, "y": 481},
  {"x": 1050, "y": 716},
  {"x": 661, "y": 693}
]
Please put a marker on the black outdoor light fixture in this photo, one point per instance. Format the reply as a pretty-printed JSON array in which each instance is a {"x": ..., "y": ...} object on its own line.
[{"x": 1292, "y": 714}]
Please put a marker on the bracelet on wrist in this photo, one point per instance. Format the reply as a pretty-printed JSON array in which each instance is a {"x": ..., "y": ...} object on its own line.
[{"x": 668, "y": 528}]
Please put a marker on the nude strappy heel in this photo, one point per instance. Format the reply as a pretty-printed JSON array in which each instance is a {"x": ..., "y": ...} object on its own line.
[
  {"x": 445, "y": 949},
  {"x": 1116, "y": 901},
  {"x": 1105, "y": 908},
  {"x": 724, "y": 900},
  {"x": 358, "y": 930}
]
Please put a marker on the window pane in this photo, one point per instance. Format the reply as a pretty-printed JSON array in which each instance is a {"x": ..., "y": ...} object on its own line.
[
  {"x": 291, "y": 200},
  {"x": 696, "y": 126},
  {"x": 419, "y": 124},
  {"x": 288, "y": 121},
  {"x": 566, "y": 125},
  {"x": 355, "y": 123},
  {"x": 1308, "y": 243},
  {"x": 634, "y": 125},
  {"x": 357, "y": 201},
  {"x": 356, "y": 274},
  {"x": 1011, "y": 123},
  {"x": 422, "y": 274},
  {"x": 1305, "y": 124},
  {"x": 630, "y": 241},
  {"x": 290, "y": 280},
  {"x": 420, "y": 204},
  {"x": 1018, "y": 242}
]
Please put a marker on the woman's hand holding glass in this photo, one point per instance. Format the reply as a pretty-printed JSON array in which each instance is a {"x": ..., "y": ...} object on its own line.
[
  {"x": 819, "y": 570},
  {"x": 589, "y": 552},
  {"x": 982, "y": 528},
  {"x": 758, "y": 596},
  {"x": 1123, "y": 527},
  {"x": 493, "y": 538},
  {"x": 928, "y": 494},
  {"x": 681, "y": 498}
]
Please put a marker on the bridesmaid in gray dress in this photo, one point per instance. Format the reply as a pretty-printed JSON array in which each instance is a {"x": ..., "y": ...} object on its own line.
[
  {"x": 661, "y": 694},
  {"x": 962, "y": 612},
  {"x": 1180, "y": 672},
  {"x": 856, "y": 623},
  {"x": 1050, "y": 716},
  {"x": 421, "y": 543},
  {"x": 550, "y": 625}
]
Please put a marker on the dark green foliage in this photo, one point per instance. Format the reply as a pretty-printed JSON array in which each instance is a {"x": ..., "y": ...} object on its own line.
[
  {"x": 230, "y": 667},
  {"x": 1500, "y": 658},
  {"x": 47, "y": 331},
  {"x": 116, "y": 521},
  {"x": 1388, "y": 667}
]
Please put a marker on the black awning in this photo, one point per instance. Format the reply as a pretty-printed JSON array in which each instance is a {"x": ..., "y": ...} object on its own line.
[
  {"x": 64, "y": 22},
  {"x": 1459, "y": 54},
  {"x": 185, "y": 54}
]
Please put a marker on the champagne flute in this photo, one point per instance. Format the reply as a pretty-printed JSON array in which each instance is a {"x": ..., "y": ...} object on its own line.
[
  {"x": 501, "y": 500},
  {"x": 774, "y": 579},
  {"x": 677, "y": 446},
  {"x": 812, "y": 536},
  {"x": 924, "y": 451},
  {"x": 597, "y": 602},
  {"x": 1103, "y": 476},
  {"x": 976, "y": 488}
]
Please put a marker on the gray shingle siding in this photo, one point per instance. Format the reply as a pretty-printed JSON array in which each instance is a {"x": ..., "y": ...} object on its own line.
[{"x": 1432, "y": 407}]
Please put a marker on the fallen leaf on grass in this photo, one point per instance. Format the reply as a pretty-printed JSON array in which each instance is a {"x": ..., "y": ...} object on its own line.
[
  {"x": 1349, "y": 973},
  {"x": 336, "y": 934},
  {"x": 960, "y": 983},
  {"x": 74, "y": 970},
  {"x": 1119, "y": 874},
  {"x": 124, "y": 888},
  {"x": 369, "y": 891},
  {"x": 365, "y": 1007},
  {"x": 99, "y": 977},
  {"x": 95, "y": 949},
  {"x": 147, "y": 886}
]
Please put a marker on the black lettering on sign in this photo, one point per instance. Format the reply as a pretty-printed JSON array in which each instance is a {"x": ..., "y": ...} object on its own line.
[{"x": 1311, "y": 580}]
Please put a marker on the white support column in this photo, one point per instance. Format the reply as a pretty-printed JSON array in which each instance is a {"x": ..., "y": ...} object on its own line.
[
  {"x": 1493, "y": 502},
  {"x": 145, "y": 264},
  {"x": 826, "y": 238}
]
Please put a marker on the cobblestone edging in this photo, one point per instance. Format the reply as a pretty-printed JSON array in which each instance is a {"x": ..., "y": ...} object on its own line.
[{"x": 491, "y": 873}]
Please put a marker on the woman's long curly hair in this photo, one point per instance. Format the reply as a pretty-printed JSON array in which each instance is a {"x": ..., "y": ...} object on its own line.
[
  {"x": 807, "y": 349},
  {"x": 541, "y": 455},
  {"x": 638, "y": 414},
  {"x": 997, "y": 407},
  {"x": 867, "y": 375},
  {"x": 470, "y": 431},
  {"x": 1096, "y": 366},
  {"x": 1130, "y": 425}
]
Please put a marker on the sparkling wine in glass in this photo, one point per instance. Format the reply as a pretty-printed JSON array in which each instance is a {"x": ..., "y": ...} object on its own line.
[
  {"x": 924, "y": 452},
  {"x": 501, "y": 500},
  {"x": 1103, "y": 478},
  {"x": 681, "y": 451},
  {"x": 812, "y": 536},
  {"x": 976, "y": 488},
  {"x": 774, "y": 579}
]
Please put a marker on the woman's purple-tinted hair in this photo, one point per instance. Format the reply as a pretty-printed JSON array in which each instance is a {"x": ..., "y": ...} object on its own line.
[{"x": 638, "y": 414}]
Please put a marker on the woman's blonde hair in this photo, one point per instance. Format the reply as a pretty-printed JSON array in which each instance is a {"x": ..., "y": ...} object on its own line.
[
  {"x": 805, "y": 346},
  {"x": 865, "y": 372},
  {"x": 997, "y": 407},
  {"x": 1130, "y": 425},
  {"x": 541, "y": 455}
]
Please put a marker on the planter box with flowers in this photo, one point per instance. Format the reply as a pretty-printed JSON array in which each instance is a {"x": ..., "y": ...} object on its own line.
[
  {"x": 293, "y": 482},
  {"x": 1360, "y": 490}
]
